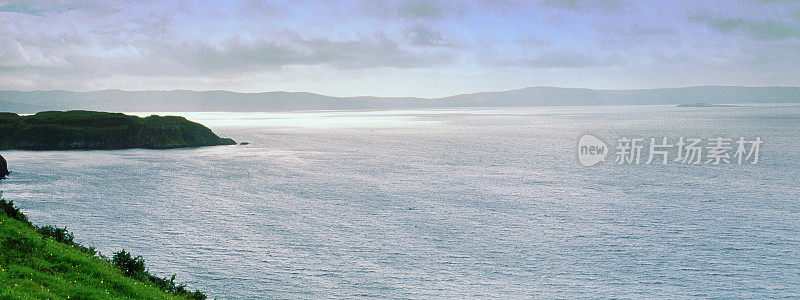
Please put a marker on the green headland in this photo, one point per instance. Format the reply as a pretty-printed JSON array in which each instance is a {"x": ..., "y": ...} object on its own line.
[{"x": 91, "y": 130}]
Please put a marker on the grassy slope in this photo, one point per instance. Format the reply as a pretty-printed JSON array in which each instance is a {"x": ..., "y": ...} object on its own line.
[{"x": 33, "y": 266}]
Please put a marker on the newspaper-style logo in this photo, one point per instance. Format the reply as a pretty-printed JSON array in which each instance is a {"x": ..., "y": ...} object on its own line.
[
  {"x": 591, "y": 150},
  {"x": 663, "y": 150}
]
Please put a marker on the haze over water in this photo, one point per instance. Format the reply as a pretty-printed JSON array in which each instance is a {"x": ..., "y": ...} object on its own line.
[{"x": 439, "y": 203}]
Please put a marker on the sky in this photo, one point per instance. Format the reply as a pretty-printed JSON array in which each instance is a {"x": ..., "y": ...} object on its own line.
[{"x": 420, "y": 48}]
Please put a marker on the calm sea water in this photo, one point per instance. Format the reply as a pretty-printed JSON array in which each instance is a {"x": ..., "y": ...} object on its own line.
[{"x": 439, "y": 204}]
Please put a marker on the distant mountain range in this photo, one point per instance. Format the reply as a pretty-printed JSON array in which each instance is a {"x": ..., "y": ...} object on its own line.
[{"x": 182, "y": 100}]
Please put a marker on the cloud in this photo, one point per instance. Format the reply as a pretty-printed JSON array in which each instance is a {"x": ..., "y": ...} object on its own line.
[
  {"x": 563, "y": 60},
  {"x": 154, "y": 41},
  {"x": 35, "y": 8},
  {"x": 195, "y": 58},
  {"x": 16, "y": 55},
  {"x": 427, "y": 37},
  {"x": 363, "y": 53},
  {"x": 420, "y": 10},
  {"x": 758, "y": 29},
  {"x": 71, "y": 41},
  {"x": 605, "y": 6},
  {"x": 415, "y": 10},
  {"x": 16, "y": 8}
]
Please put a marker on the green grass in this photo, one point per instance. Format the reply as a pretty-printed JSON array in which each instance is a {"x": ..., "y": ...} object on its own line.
[{"x": 34, "y": 265}]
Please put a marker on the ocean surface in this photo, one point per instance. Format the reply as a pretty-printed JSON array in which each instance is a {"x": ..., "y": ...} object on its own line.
[{"x": 456, "y": 203}]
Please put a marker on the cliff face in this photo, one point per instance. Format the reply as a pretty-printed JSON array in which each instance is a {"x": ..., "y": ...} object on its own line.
[
  {"x": 3, "y": 167},
  {"x": 72, "y": 130}
]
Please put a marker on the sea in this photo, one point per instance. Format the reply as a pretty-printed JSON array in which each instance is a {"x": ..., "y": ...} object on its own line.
[{"x": 446, "y": 203}]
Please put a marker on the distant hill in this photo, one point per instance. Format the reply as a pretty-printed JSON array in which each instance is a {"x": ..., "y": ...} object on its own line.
[
  {"x": 70, "y": 130},
  {"x": 7, "y": 106},
  {"x": 702, "y": 105},
  {"x": 181, "y": 100}
]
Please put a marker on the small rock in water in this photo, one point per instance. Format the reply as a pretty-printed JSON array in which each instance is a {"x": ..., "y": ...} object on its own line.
[
  {"x": 244, "y": 143},
  {"x": 3, "y": 167}
]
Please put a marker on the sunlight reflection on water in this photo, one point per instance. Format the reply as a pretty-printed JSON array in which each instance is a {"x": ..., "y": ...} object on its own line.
[{"x": 456, "y": 203}]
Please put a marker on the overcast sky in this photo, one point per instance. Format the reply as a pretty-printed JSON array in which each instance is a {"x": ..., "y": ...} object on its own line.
[{"x": 396, "y": 48}]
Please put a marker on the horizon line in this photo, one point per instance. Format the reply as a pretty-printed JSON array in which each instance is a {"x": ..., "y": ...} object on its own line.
[{"x": 413, "y": 97}]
